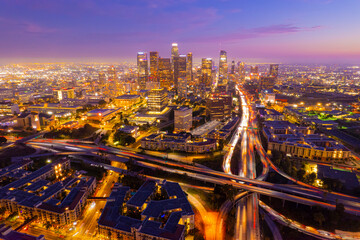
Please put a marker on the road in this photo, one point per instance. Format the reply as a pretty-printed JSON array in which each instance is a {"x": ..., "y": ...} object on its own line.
[
  {"x": 88, "y": 226},
  {"x": 247, "y": 226},
  {"x": 208, "y": 217},
  {"x": 287, "y": 192},
  {"x": 305, "y": 194},
  {"x": 274, "y": 229},
  {"x": 317, "y": 233}
]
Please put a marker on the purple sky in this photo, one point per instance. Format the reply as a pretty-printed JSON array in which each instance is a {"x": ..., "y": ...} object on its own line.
[{"x": 301, "y": 31}]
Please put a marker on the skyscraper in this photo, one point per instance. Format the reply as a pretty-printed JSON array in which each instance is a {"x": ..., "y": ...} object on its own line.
[
  {"x": 165, "y": 73},
  {"x": 174, "y": 52},
  {"x": 102, "y": 79},
  {"x": 254, "y": 72},
  {"x": 241, "y": 69},
  {"x": 112, "y": 82},
  {"x": 274, "y": 70},
  {"x": 206, "y": 76},
  {"x": 154, "y": 67},
  {"x": 223, "y": 68},
  {"x": 180, "y": 80},
  {"x": 232, "y": 67},
  {"x": 206, "y": 72},
  {"x": 143, "y": 72},
  {"x": 189, "y": 66}
]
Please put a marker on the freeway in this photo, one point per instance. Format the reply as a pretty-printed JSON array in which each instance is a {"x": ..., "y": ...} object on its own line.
[
  {"x": 317, "y": 233},
  {"x": 223, "y": 212},
  {"x": 274, "y": 229},
  {"x": 313, "y": 195},
  {"x": 247, "y": 225}
]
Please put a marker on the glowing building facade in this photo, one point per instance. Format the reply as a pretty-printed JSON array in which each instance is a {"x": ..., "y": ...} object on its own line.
[
  {"x": 143, "y": 72},
  {"x": 154, "y": 67},
  {"x": 223, "y": 68},
  {"x": 165, "y": 73}
]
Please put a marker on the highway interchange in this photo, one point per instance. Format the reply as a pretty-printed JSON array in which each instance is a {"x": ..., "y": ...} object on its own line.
[{"x": 247, "y": 206}]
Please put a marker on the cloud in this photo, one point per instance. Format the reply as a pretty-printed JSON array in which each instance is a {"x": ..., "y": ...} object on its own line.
[
  {"x": 11, "y": 26},
  {"x": 258, "y": 32}
]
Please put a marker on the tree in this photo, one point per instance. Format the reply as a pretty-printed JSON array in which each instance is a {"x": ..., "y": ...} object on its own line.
[
  {"x": 3, "y": 140},
  {"x": 319, "y": 218},
  {"x": 301, "y": 174},
  {"x": 124, "y": 139},
  {"x": 2, "y": 210},
  {"x": 311, "y": 178},
  {"x": 340, "y": 209},
  {"x": 222, "y": 193},
  {"x": 47, "y": 225}
]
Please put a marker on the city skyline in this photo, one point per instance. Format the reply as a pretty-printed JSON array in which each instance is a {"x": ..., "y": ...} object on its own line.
[{"x": 299, "y": 31}]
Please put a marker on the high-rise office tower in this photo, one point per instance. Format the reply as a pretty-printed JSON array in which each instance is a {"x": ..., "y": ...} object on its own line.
[
  {"x": 274, "y": 70},
  {"x": 241, "y": 69},
  {"x": 165, "y": 73},
  {"x": 154, "y": 67},
  {"x": 189, "y": 66},
  {"x": 143, "y": 72},
  {"x": 157, "y": 100},
  {"x": 102, "y": 79},
  {"x": 206, "y": 80},
  {"x": 206, "y": 72},
  {"x": 223, "y": 68},
  {"x": 174, "y": 52},
  {"x": 232, "y": 71},
  {"x": 180, "y": 80},
  {"x": 254, "y": 73},
  {"x": 112, "y": 82}
]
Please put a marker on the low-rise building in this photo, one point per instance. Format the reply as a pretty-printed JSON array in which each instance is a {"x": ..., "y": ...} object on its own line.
[
  {"x": 54, "y": 108},
  {"x": 167, "y": 219},
  {"x": 224, "y": 132},
  {"x": 219, "y": 106},
  {"x": 101, "y": 114},
  {"x": 131, "y": 130},
  {"x": 8, "y": 108},
  {"x": 206, "y": 128},
  {"x": 34, "y": 196},
  {"x": 178, "y": 142},
  {"x": 34, "y": 120},
  {"x": 271, "y": 115},
  {"x": 302, "y": 142},
  {"x": 126, "y": 101}
]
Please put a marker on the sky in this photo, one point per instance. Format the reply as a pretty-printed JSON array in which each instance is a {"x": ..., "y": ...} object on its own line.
[{"x": 282, "y": 31}]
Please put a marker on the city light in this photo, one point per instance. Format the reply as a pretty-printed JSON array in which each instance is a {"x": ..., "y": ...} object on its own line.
[{"x": 176, "y": 120}]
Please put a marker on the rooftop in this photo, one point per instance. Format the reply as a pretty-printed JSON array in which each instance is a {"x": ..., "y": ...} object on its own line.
[{"x": 127, "y": 97}]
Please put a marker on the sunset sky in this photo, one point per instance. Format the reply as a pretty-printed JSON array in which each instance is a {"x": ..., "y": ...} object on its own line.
[{"x": 287, "y": 31}]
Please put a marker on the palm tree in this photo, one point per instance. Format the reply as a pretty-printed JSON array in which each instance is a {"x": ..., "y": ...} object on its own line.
[{"x": 319, "y": 218}]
